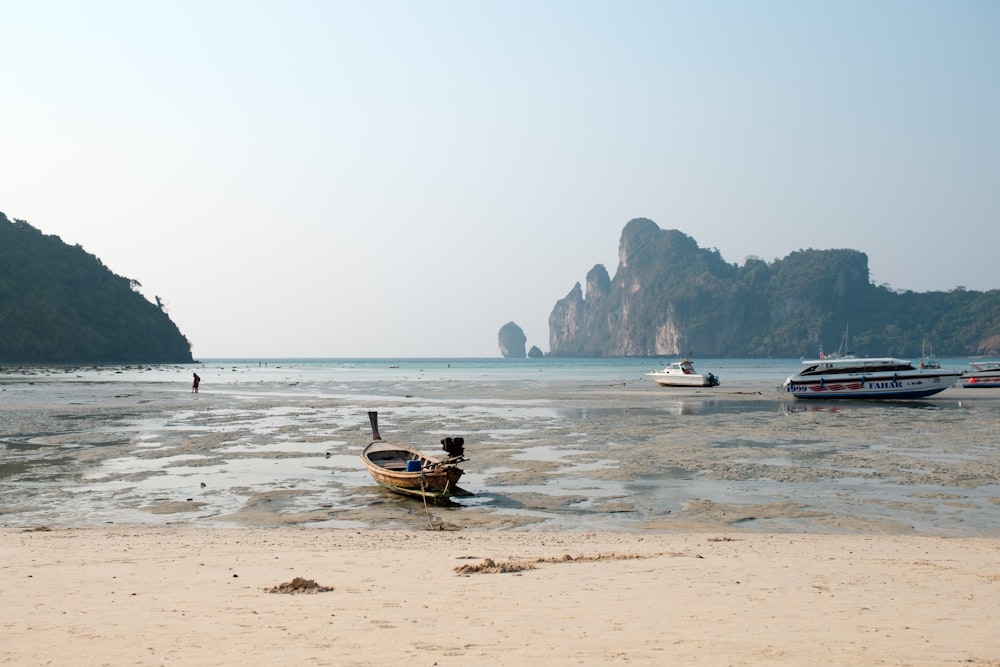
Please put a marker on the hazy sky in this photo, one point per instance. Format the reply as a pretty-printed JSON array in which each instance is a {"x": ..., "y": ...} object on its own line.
[{"x": 400, "y": 179}]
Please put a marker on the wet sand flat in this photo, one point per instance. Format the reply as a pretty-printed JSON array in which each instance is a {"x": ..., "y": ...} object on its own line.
[{"x": 546, "y": 454}]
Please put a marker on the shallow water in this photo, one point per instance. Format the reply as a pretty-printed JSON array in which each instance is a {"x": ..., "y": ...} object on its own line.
[{"x": 553, "y": 444}]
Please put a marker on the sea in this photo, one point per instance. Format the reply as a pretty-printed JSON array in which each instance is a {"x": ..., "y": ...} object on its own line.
[{"x": 552, "y": 444}]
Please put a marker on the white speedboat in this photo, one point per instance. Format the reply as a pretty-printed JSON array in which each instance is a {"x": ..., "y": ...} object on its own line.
[
  {"x": 867, "y": 377},
  {"x": 682, "y": 374},
  {"x": 982, "y": 375}
]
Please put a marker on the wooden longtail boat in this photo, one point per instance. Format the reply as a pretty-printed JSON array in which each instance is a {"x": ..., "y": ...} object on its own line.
[{"x": 405, "y": 470}]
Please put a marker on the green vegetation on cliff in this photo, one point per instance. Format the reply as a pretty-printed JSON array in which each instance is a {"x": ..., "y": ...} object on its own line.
[
  {"x": 60, "y": 305},
  {"x": 671, "y": 297}
]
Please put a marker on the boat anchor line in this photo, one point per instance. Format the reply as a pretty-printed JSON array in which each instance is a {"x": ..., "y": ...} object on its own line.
[{"x": 423, "y": 496}]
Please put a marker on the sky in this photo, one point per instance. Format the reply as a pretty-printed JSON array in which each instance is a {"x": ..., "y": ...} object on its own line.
[{"x": 402, "y": 178}]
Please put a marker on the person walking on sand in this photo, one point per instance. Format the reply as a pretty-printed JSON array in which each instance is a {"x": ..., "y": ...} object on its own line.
[{"x": 194, "y": 385}]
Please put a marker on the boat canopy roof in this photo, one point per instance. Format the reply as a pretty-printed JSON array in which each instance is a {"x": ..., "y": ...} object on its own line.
[
  {"x": 985, "y": 365},
  {"x": 857, "y": 361},
  {"x": 855, "y": 365}
]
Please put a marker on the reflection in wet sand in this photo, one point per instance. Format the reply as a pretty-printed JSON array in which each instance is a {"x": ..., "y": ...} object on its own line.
[{"x": 543, "y": 455}]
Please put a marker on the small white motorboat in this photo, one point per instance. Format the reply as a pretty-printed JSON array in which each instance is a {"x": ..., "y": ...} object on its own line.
[{"x": 682, "y": 374}]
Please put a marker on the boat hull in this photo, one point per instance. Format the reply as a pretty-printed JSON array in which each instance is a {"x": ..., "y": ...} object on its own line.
[
  {"x": 984, "y": 375},
  {"x": 981, "y": 381},
  {"x": 902, "y": 385},
  {"x": 673, "y": 380},
  {"x": 436, "y": 480}
]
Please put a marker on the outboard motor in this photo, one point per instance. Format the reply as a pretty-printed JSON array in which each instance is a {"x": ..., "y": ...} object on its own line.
[{"x": 454, "y": 446}]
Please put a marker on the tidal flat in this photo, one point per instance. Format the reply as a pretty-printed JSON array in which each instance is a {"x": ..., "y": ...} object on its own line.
[{"x": 281, "y": 448}]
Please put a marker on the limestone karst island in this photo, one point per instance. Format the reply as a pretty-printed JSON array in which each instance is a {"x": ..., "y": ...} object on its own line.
[{"x": 669, "y": 296}]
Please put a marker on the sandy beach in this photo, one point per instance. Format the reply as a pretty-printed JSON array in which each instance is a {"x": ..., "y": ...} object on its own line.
[
  {"x": 192, "y": 596},
  {"x": 611, "y": 523}
]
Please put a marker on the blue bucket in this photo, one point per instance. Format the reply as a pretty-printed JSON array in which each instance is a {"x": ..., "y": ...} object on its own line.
[{"x": 413, "y": 466}]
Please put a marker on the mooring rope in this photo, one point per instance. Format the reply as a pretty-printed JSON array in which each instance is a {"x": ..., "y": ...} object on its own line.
[{"x": 423, "y": 495}]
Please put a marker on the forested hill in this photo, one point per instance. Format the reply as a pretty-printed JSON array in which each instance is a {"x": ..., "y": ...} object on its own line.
[
  {"x": 671, "y": 297},
  {"x": 61, "y": 305}
]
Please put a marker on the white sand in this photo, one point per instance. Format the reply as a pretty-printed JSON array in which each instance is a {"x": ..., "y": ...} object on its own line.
[{"x": 195, "y": 596}]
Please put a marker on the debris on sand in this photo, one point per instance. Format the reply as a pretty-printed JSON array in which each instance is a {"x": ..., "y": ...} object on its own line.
[
  {"x": 489, "y": 566},
  {"x": 299, "y": 585}
]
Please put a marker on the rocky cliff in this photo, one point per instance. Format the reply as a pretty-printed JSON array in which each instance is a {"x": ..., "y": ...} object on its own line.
[
  {"x": 511, "y": 341},
  {"x": 671, "y": 297}
]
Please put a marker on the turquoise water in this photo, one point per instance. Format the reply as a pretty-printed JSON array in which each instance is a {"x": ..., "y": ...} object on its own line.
[{"x": 734, "y": 373}]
